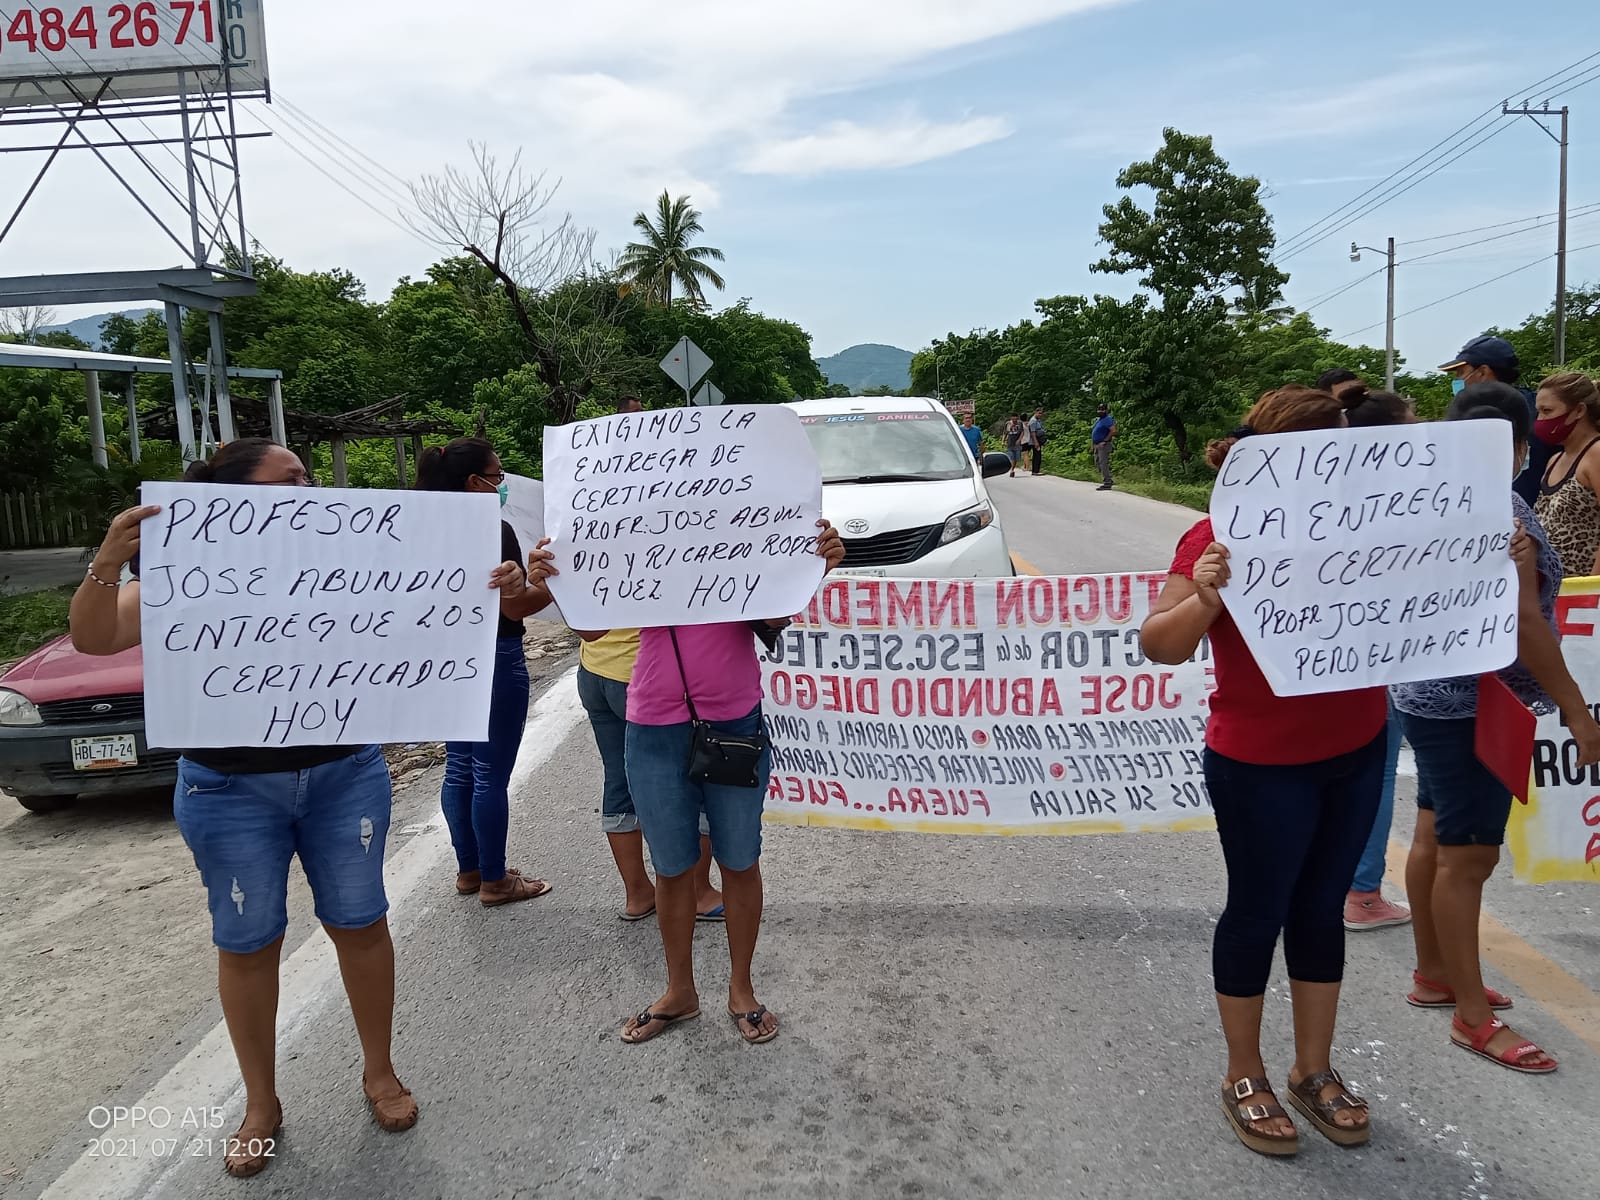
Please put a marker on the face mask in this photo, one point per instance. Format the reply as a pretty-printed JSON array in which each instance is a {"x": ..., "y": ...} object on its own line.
[
  {"x": 1552, "y": 431},
  {"x": 505, "y": 492},
  {"x": 1456, "y": 385}
]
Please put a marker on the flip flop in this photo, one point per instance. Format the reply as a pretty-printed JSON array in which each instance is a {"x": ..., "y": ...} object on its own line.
[
  {"x": 716, "y": 914},
  {"x": 754, "y": 1018},
  {"x": 649, "y": 1020},
  {"x": 645, "y": 915}
]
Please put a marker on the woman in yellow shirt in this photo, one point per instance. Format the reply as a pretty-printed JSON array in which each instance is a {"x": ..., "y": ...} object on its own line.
[{"x": 605, "y": 668}]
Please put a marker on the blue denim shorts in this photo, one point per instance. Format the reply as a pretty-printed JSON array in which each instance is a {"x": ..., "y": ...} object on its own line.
[
  {"x": 1470, "y": 806},
  {"x": 244, "y": 829},
  {"x": 672, "y": 806}
]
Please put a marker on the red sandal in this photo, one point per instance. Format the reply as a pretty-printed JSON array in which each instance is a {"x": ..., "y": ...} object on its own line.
[
  {"x": 1497, "y": 1001},
  {"x": 1513, "y": 1059}
]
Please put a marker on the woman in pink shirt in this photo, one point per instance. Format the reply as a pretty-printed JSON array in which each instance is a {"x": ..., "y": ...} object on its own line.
[{"x": 714, "y": 668}]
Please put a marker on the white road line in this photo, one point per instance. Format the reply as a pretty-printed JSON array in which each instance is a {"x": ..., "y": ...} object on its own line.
[{"x": 208, "y": 1076}]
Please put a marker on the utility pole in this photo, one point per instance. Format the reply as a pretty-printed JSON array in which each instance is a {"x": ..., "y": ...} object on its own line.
[
  {"x": 1534, "y": 114},
  {"x": 1388, "y": 325}
]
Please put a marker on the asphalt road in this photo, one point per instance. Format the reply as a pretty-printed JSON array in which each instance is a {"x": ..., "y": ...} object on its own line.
[{"x": 961, "y": 1018}]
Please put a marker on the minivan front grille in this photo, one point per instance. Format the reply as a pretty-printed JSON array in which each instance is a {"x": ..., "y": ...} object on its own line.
[
  {"x": 92, "y": 709},
  {"x": 891, "y": 549}
]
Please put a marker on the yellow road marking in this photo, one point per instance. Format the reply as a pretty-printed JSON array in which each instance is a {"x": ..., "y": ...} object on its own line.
[
  {"x": 1539, "y": 977},
  {"x": 1023, "y": 565}
]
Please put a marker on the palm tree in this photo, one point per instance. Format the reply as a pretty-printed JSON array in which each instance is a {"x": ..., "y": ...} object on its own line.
[{"x": 666, "y": 254}]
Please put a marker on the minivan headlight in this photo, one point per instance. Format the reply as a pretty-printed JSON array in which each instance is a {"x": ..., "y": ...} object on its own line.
[
  {"x": 17, "y": 709},
  {"x": 965, "y": 524}
]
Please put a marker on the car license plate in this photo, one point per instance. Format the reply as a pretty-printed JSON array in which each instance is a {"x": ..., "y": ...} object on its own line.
[
  {"x": 104, "y": 753},
  {"x": 864, "y": 572}
]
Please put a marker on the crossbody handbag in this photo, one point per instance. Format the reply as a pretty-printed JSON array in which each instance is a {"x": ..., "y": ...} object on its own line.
[{"x": 727, "y": 759}]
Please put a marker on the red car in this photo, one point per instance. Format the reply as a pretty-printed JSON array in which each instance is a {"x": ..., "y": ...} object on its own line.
[{"x": 73, "y": 725}]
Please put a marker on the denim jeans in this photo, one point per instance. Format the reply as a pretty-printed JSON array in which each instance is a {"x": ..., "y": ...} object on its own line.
[
  {"x": 674, "y": 808},
  {"x": 606, "y": 702},
  {"x": 1470, "y": 805},
  {"x": 1291, "y": 836},
  {"x": 1369, "y": 871},
  {"x": 477, "y": 775},
  {"x": 243, "y": 830}
]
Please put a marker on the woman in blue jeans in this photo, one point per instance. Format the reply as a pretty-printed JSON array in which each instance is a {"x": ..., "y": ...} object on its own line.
[
  {"x": 477, "y": 775},
  {"x": 245, "y": 814}
]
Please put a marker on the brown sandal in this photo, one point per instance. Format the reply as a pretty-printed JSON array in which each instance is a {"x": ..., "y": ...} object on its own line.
[
  {"x": 243, "y": 1158},
  {"x": 1307, "y": 1097},
  {"x": 468, "y": 882},
  {"x": 1241, "y": 1116},
  {"x": 518, "y": 888},
  {"x": 394, "y": 1114}
]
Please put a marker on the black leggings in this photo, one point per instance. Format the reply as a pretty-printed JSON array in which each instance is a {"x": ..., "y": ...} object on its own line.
[{"x": 1291, "y": 837}]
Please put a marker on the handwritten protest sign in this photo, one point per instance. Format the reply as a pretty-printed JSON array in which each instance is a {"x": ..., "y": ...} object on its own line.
[
  {"x": 994, "y": 706},
  {"x": 1364, "y": 557},
  {"x": 684, "y": 517},
  {"x": 524, "y": 512},
  {"x": 292, "y": 617},
  {"x": 1556, "y": 835}
]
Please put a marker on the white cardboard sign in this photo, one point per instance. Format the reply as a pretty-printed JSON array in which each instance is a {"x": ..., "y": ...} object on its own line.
[
  {"x": 524, "y": 512},
  {"x": 1367, "y": 557},
  {"x": 687, "y": 516},
  {"x": 298, "y": 617}
]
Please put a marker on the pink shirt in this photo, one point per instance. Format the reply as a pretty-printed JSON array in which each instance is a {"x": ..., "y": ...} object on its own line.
[{"x": 723, "y": 668}]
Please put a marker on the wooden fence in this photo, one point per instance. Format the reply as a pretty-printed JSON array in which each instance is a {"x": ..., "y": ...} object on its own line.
[{"x": 32, "y": 519}]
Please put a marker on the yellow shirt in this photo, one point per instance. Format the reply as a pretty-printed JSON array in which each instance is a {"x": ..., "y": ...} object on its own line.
[{"x": 612, "y": 656}]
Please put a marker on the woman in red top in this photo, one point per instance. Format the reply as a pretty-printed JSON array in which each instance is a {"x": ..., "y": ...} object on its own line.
[{"x": 1294, "y": 783}]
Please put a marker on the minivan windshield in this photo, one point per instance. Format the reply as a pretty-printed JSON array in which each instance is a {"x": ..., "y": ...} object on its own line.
[{"x": 887, "y": 447}]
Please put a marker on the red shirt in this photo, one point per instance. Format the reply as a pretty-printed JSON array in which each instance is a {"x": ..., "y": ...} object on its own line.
[{"x": 1252, "y": 724}]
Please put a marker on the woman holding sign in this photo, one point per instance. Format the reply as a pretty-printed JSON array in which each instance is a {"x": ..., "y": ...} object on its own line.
[
  {"x": 1462, "y": 806},
  {"x": 245, "y": 815},
  {"x": 1294, "y": 782},
  {"x": 696, "y": 745},
  {"x": 477, "y": 775}
]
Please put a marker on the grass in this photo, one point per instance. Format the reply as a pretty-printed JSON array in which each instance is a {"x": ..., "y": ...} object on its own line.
[
  {"x": 1139, "y": 481},
  {"x": 30, "y": 619}
]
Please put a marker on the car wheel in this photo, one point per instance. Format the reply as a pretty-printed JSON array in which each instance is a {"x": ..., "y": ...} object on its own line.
[{"x": 46, "y": 804}]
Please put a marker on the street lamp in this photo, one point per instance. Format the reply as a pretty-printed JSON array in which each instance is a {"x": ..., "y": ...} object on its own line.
[{"x": 1355, "y": 256}]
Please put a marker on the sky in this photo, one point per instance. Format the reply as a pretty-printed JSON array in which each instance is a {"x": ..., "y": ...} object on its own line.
[{"x": 894, "y": 170}]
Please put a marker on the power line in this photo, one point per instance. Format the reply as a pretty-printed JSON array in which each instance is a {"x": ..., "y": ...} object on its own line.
[
  {"x": 1341, "y": 217},
  {"x": 1542, "y": 260},
  {"x": 1440, "y": 237}
]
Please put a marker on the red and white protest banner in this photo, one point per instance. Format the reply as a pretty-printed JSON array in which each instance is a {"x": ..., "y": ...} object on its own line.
[{"x": 989, "y": 706}]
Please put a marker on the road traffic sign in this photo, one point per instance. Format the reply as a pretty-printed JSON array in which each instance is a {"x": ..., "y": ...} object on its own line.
[
  {"x": 686, "y": 364},
  {"x": 710, "y": 393}
]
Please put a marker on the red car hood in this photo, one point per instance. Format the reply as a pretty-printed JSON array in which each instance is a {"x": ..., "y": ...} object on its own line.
[{"x": 56, "y": 671}]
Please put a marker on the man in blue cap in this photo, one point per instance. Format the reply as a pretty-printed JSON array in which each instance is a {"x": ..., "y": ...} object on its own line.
[{"x": 1488, "y": 358}]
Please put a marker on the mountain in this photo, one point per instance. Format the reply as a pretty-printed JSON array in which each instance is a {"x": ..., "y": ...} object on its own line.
[
  {"x": 869, "y": 366},
  {"x": 87, "y": 329}
]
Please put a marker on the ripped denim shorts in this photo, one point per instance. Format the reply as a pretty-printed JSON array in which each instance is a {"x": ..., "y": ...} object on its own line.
[{"x": 244, "y": 829}]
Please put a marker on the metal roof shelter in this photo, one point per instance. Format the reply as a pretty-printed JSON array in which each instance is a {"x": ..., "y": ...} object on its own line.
[{"x": 92, "y": 364}]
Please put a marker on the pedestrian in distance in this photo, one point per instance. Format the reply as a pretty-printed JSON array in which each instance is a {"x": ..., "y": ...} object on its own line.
[
  {"x": 1025, "y": 443},
  {"x": 475, "y": 795},
  {"x": 973, "y": 436},
  {"x": 1366, "y": 908},
  {"x": 1569, "y": 420},
  {"x": 1489, "y": 359},
  {"x": 1101, "y": 439},
  {"x": 1462, "y": 807},
  {"x": 1294, "y": 783},
  {"x": 605, "y": 668},
  {"x": 688, "y": 681},
  {"x": 245, "y": 814},
  {"x": 1014, "y": 442},
  {"x": 1040, "y": 436}
]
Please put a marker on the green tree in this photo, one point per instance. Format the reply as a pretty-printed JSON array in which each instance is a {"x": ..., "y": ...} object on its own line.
[
  {"x": 1296, "y": 351},
  {"x": 668, "y": 254},
  {"x": 1205, "y": 241}
]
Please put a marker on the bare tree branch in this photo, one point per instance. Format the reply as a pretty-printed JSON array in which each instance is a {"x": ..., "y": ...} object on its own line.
[
  {"x": 536, "y": 255},
  {"x": 26, "y": 322}
]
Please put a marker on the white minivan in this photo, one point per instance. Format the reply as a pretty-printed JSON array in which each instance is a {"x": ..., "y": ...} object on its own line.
[{"x": 903, "y": 489}]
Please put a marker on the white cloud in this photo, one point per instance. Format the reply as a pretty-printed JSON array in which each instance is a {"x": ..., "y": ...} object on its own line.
[{"x": 847, "y": 146}]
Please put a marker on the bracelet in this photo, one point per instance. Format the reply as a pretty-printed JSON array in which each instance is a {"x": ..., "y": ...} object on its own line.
[{"x": 93, "y": 578}]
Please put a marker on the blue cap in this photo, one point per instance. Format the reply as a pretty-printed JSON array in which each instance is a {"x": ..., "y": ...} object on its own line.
[{"x": 1493, "y": 352}]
